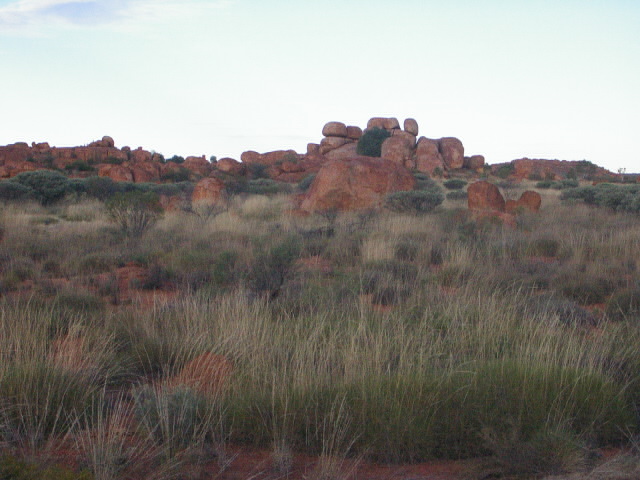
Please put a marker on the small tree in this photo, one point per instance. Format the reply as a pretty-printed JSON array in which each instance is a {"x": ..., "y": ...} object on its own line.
[{"x": 134, "y": 212}]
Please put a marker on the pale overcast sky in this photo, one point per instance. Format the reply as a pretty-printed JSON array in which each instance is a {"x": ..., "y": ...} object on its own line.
[{"x": 510, "y": 78}]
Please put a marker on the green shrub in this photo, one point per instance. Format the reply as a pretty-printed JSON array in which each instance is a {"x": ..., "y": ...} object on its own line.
[
  {"x": 48, "y": 186},
  {"x": 415, "y": 202},
  {"x": 271, "y": 268},
  {"x": 79, "y": 166},
  {"x": 370, "y": 143},
  {"x": 544, "y": 247},
  {"x": 455, "y": 184},
  {"x": 545, "y": 184},
  {"x": 266, "y": 186},
  {"x": 134, "y": 212},
  {"x": 585, "y": 289},
  {"x": 504, "y": 171},
  {"x": 565, "y": 183},
  {"x": 624, "y": 305},
  {"x": 257, "y": 170},
  {"x": 101, "y": 188},
  {"x": 180, "y": 175},
  {"x": 176, "y": 159},
  {"x": 306, "y": 182},
  {"x": 14, "y": 191},
  {"x": 424, "y": 182},
  {"x": 457, "y": 195}
]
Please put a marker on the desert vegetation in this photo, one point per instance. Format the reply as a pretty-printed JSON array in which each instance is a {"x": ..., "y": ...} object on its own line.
[{"x": 402, "y": 335}]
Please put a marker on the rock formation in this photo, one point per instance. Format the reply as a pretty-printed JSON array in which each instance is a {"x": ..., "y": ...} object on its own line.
[
  {"x": 485, "y": 196},
  {"x": 355, "y": 183}
]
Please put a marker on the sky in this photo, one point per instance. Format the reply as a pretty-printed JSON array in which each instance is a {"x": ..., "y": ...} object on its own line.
[{"x": 554, "y": 79}]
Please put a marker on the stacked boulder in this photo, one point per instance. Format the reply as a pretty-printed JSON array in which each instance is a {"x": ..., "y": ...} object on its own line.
[{"x": 340, "y": 141}]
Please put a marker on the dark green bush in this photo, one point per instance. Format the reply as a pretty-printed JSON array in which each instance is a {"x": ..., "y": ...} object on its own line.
[
  {"x": 370, "y": 143},
  {"x": 266, "y": 186},
  {"x": 415, "y": 201},
  {"x": 14, "y": 191},
  {"x": 80, "y": 166},
  {"x": 504, "y": 170},
  {"x": 101, "y": 188},
  {"x": 624, "y": 305},
  {"x": 176, "y": 159},
  {"x": 621, "y": 198},
  {"x": 305, "y": 183},
  {"x": 457, "y": 195},
  {"x": 544, "y": 184},
  {"x": 271, "y": 268},
  {"x": 48, "y": 186},
  {"x": 424, "y": 182},
  {"x": 257, "y": 170},
  {"x": 565, "y": 183},
  {"x": 180, "y": 175},
  {"x": 584, "y": 288},
  {"x": 455, "y": 184}
]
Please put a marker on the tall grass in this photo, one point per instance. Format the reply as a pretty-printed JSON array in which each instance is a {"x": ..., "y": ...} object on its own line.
[{"x": 465, "y": 358}]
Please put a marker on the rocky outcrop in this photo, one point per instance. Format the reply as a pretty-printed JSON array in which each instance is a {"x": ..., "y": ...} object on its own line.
[
  {"x": 529, "y": 201},
  {"x": 398, "y": 149},
  {"x": 355, "y": 183},
  {"x": 474, "y": 162},
  {"x": 231, "y": 166},
  {"x": 335, "y": 129},
  {"x": 428, "y": 157},
  {"x": 208, "y": 191},
  {"x": 485, "y": 196},
  {"x": 452, "y": 152}
]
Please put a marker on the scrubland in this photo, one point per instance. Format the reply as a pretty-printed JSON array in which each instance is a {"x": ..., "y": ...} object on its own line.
[{"x": 374, "y": 336}]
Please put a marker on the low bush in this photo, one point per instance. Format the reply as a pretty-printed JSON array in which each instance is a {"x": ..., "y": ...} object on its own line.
[
  {"x": 414, "y": 202},
  {"x": 504, "y": 170},
  {"x": 14, "y": 191},
  {"x": 48, "y": 186},
  {"x": 305, "y": 183},
  {"x": 624, "y": 305},
  {"x": 272, "y": 267},
  {"x": 454, "y": 184},
  {"x": 370, "y": 143},
  {"x": 544, "y": 184},
  {"x": 265, "y": 186},
  {"x": 457, "y": 195},
  {"x": 134, "y": 212}
]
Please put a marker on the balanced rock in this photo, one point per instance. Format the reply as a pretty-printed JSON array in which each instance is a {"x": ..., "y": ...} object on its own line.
[
  {"x": 355, "y": 183},
  {"x": 353, "y": 132},
  {"x": 199, "y": 165},
  {"x": 335, "y": 129},
  {"x": 452, "y": 152},
  {"x": 231, "y": 166},
  {"x": 385, "y": 123},
  {"x": 348, "y": 150},
  {"x": 331, "y": 143},
  {"x": 474, "y": 162},
  {"x": 485, "y": 196},
  {"x": 411, "y": 126}
]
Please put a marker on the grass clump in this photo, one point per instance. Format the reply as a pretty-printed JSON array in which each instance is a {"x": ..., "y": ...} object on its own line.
[{"x": 415, "y": 202}]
